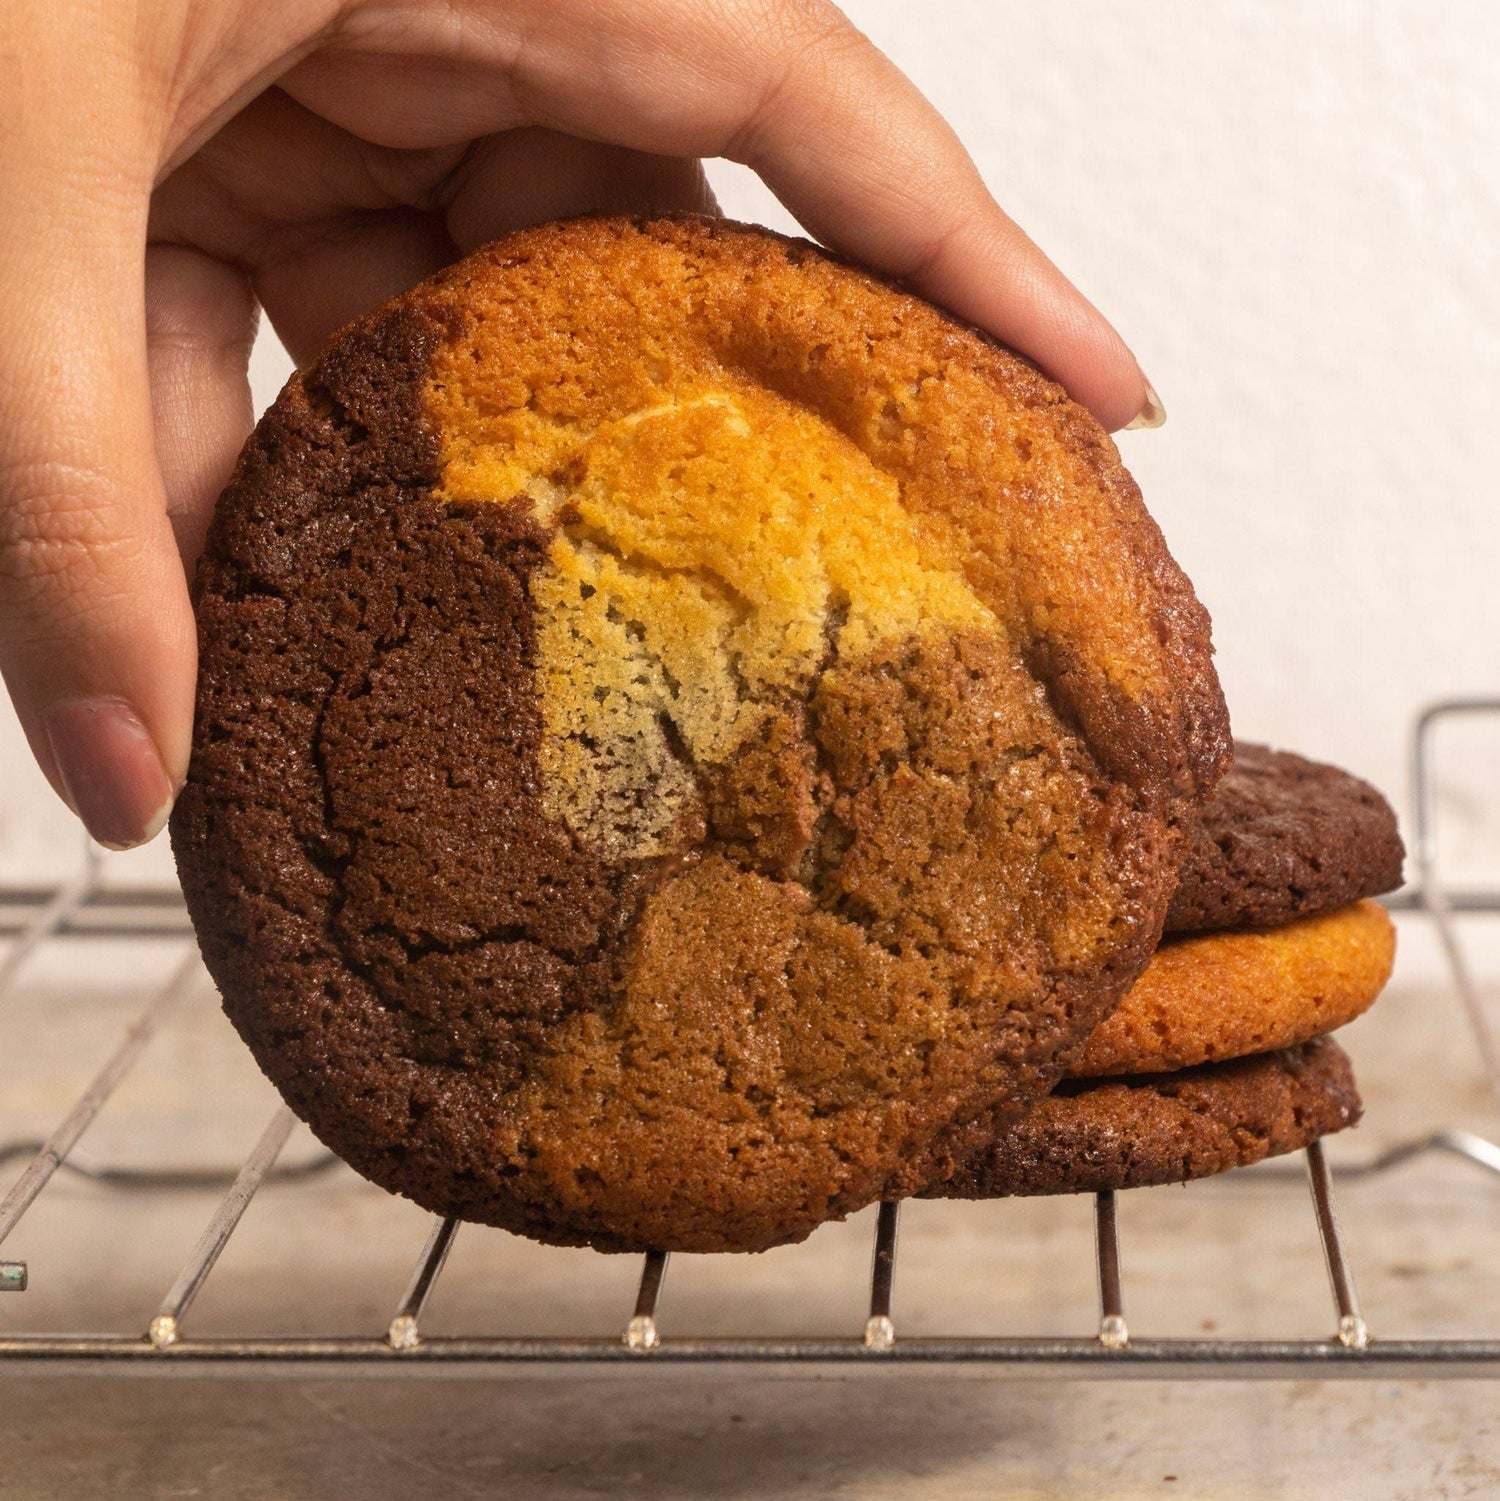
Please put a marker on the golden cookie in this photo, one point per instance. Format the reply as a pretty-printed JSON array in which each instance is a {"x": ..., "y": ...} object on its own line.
[{"x": 1224, "y": 995}]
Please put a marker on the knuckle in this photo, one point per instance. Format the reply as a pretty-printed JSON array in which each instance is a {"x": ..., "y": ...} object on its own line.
[
  {"x": 191, "y": 355},
  {"x": 928, "y": 254},
  {"x": 807, "y": 31},
  {"x": 794, "y": 39},
  {"x": 795, "y": 21},
  {"x": 229, "y": 338},
  {"x": 197, "y": 308}
]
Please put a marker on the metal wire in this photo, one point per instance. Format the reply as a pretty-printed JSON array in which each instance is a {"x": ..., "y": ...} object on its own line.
[
  {"x": 163, "y": 1328},
  {"x": 98, "y": 912},
  {"x": 51, "y": 915},
  {"x": 1114, "y": 1333},
  {"x": 1351, "y": 1331},
  {"x": 191, "y": 1178},
  {"x": 404, "y": 1333},
  {"x": 1434, "y": 896},
  {"x": 880, "y": 1332},
  {"x": 1073, "y": 1359},
  {"x": 641, "y": 1333},
  {"x": 1464, "y": 1144},
  {"x": 1114, "y": 1351},
  {"x": 54, "y": 1150}
]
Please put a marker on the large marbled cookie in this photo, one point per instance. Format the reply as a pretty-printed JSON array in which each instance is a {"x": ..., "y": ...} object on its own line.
[{"x": 682, "y": 722}]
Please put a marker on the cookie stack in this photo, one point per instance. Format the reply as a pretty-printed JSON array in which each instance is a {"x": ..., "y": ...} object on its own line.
[
  {"x": 1219, "y": 1056},
  {"x": 692, "y": 740}
]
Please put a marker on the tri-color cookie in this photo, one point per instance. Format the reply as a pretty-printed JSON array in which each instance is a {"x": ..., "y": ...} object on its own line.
[
  {"x": 1088, "y": 1136},
  {"x": 1282, "y": 838},
  {"x": 681, "y": 723}
]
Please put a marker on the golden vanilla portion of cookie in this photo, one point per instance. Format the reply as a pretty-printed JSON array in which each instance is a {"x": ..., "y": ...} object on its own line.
[
  {"x": 681, "y": 723},
  {"x": 741, "y": 466},
  {"x": 713, "y": 559},
  {"x": 1225, "y": 995}
]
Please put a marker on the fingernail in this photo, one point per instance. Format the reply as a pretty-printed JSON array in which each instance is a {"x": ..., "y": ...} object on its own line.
[
  {"x": 1151, "y": 414},
  {"x": 110, "y": 769}
]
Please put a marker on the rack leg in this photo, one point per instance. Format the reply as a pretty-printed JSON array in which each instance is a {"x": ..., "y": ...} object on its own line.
[
  {"x": 162, "y": 1331},
  {"x": 880, "y": 1332},
  {"x": 1353, "y": 1332},
  {"x": 1114, "y": 1333},
  {"x": 403, "y": 1333},
  {"x": 641, "y": 1332}
]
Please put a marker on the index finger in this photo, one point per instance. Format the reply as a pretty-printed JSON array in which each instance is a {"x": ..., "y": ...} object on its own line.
[{"x": 788, "y": 87}]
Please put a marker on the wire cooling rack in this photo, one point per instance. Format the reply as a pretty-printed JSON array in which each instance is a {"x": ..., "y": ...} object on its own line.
[{"x": 1346, "y": 1348}]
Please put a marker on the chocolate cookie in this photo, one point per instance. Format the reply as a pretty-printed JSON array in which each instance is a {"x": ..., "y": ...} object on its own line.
[
  {"x": 1166, "y": 1128},
  {"x": 1225, "y": 995},
  {"x": 681, "y": 722},
  {"x": 1282, "y": 838}
]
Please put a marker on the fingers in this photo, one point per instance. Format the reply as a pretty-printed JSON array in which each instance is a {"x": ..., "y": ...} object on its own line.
[
  {"x": 789, "y": 87},
  {"x": 329, "y": 226},
  {"x": 866, "y": 163},
  {"x": 325, "y": 225},
  {"x": 314, "y": 279},
  {"x": 200, "y": 325},
  {"x": 523, "y": 177},
  {"x": 319, "y": 277},
  {"x": 96, "y": 634}
]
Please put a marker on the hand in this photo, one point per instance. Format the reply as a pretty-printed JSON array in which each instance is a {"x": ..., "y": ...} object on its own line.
[{"x": 168, "y": 167}]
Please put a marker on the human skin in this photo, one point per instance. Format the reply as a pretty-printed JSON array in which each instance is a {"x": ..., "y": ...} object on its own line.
[{"x": 171, "y": 167}]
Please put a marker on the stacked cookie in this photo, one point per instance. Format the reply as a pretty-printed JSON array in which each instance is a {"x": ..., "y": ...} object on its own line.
[{"x": 1219, "y": 1055}]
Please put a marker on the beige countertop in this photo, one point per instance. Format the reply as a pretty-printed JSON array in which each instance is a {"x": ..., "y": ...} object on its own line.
[{"x": 1237, "y": 1256}]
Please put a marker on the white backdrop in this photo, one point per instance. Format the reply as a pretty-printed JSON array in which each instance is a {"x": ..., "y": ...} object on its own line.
[{"x": 1292, "y": 212}]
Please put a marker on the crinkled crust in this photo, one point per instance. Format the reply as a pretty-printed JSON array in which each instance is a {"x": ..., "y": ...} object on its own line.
[
  {"x": 930, "y": 874},
  {"x": 1089, "y": 1136},
  {"x": 1283, "y": 837}
]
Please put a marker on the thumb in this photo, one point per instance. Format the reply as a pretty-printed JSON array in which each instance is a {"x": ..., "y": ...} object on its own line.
[{"x": 96, "y": 632}]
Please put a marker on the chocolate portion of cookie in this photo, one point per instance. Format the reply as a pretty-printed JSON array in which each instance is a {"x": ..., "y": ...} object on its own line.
[
  {"x": 1225, "y": 995},
  {"x": 681, "y": 723},
  {"x": 1282, "y": 838},
  {"x": 1087, "y": 1137}
]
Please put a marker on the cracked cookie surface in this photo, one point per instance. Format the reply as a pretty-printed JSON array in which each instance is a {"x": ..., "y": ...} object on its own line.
[
  {"x": 1091, "y": 1136},
  {"x": 1281, "y": 838},
  {"x": 681, "y": 723}
]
